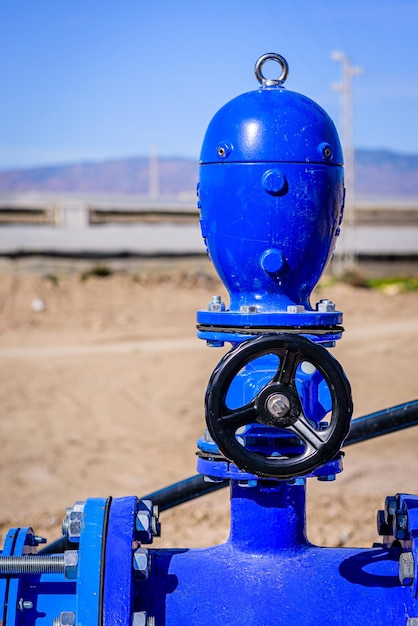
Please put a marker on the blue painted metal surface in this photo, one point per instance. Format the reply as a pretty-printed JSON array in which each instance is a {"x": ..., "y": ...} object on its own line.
[
  {"x": 271, "y": 197},
  {"x": 91, "y": 563},
  {"x": 32, "y": 598},
  {"x": 118, "y": 600},
  {"x": 268, "y": 573}
]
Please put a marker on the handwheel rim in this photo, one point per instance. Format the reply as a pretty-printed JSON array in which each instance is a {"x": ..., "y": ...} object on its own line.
[{"x": 223, "y": 428}]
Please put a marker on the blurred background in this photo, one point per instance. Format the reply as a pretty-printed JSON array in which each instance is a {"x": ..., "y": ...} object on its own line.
[{"x": 104, "y": 108}]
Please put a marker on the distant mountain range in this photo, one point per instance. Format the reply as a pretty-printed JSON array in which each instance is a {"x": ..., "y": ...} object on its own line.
[
  {"x": 378, "y": 173},
  {"x": 122, "y": 176}
]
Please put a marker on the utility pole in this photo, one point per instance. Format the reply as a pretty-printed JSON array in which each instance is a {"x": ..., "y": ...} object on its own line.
[
  {"x": 347, "y": 245},
  {"x": 154, "y": 174}
]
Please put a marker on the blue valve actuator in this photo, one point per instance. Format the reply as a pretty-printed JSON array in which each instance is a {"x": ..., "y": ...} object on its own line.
[{"x": 271, "y": 197}]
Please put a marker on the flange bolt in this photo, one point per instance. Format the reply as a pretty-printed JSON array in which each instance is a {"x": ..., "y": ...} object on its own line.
[
  {"x": 406, "y": 568},
  {"x": 325, "y": 306},
  {"x": 147, "y": 525},
  {"x": 139, "y": 618},
  {"x": 216, "y": 304},
  {"x": 383, "y": 527},
  {"x": 401, "y": 530},
  {"x": 66, "y": 618},
  {"x": 141, "y": 563},
  {"x": 72, "y": 522}
]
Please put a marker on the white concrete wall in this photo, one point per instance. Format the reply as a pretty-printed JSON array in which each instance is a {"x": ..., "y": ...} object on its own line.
[{"x": 71, "y": 232}]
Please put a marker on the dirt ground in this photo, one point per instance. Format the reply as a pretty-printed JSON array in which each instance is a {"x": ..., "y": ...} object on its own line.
[{"x": 102, "y": 394}]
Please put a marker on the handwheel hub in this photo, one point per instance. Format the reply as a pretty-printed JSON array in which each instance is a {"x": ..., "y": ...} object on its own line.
[{"x": 278, "y": 405}]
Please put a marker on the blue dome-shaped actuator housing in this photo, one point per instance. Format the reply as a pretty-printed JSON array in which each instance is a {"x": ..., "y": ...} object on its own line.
[{"x": 271, "y": 197}]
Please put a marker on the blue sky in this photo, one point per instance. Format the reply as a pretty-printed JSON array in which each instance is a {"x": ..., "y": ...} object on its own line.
[{"x": 97, "y": 79}]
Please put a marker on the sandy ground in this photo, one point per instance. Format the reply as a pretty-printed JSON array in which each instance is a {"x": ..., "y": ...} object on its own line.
[{"x": 102, "y": 394}]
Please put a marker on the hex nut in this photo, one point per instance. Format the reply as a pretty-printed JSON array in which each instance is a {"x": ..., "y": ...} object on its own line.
[
  {"x": 216, "y": 304},
  {"x": 139, "y": 618},
  {"x": 406, "y": 568},
  {"x": 383, "y": 527},
  {"x": 74, "y": 526},
  {"x": 141, "y": 563},
  {"x": 402, "y": 519},
  {"x": 325, "y": 306},
  {"x": 70, "y": 564},
  {"x": 72, "y": 523},
  {"x": 67, "y": 618},
  {"x": 142, "y": 522},
  {"x": 401, "y": 528},
  {"x": 147, "y": 525},
  {"x": 295, "y": 308},
  {"x": 391, "y": 505},
  {"x": 155, "y": 523}
]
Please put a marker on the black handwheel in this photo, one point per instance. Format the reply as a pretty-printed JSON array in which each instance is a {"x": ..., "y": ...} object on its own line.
[{"x": 278, "y": 405}]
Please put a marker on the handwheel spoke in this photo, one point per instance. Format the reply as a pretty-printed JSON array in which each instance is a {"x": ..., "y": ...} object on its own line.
[
  {"x": 287, "y": 367},
  {"x": 240, "y": 417},
  {"x": 308, "y": 433},
  {"x": 277, "y": 407}
]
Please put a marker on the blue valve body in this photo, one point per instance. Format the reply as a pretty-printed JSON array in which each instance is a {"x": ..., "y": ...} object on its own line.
[
  {"x": 266, "y": 573},
  {"x": 271, "y": 197}
]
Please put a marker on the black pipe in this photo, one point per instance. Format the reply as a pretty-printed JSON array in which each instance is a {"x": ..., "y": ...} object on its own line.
[
  {"x": 383, "y": 422},
  {"x": 184, "y": 491},
  {"x": 166, "y": 498},
  {"x": 363, "y": 428}
]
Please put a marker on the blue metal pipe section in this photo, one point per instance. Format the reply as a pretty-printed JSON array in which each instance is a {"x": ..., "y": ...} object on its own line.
[{"x": 278, "y": 410}]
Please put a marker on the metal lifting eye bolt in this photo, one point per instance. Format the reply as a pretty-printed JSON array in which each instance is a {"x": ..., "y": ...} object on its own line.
[{"x": 271, "y": 82}]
